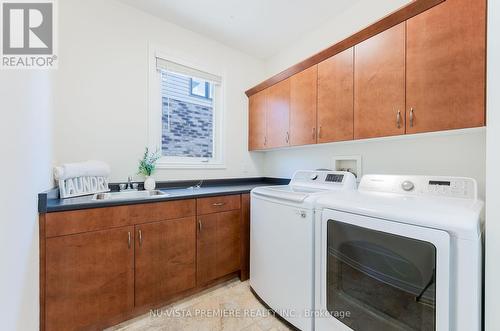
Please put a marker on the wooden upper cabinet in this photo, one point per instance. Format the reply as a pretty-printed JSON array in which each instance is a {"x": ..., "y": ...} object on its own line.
[
  {"x": 425, "y": 74},
  {"x": 89, "y": 279},
  {"x": 379, "y": 80},
  {"x": 257, "y": 121},
  {"x": 335, "y": 97},
  {"x": 278, "y": 114},
  {"x": 303, "y": 98},
  {"x": 165, "y": 259},
  {"x": 446, "y": 50}
]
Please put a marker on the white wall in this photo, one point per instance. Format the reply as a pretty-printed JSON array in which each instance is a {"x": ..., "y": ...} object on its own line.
[
  {"x": 493, "y": 170},
  {"x": 455, "y": 153},
  {"x": 26, "y": 149},
  {"x": 459, "y": 153},
  {"x": 102, "y": 87},
  {"x": 362, "y": 14}
]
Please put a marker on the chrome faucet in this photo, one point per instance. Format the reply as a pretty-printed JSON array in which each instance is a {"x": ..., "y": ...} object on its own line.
[
  {"x": 197, "y": 186},
  {"x": 129, "y": 186}
]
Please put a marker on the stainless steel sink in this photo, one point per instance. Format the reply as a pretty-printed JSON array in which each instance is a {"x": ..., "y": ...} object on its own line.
[{"x": 129, "y": 195}]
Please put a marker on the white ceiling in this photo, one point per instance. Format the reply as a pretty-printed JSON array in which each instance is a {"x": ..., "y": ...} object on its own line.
[{"x": 257, "y": 27}]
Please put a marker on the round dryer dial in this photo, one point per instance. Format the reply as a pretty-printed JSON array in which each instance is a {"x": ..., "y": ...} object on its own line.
[{"x": 407, "y": 185}]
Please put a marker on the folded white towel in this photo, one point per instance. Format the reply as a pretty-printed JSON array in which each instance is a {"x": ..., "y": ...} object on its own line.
[{"x": 82, "y": 169}]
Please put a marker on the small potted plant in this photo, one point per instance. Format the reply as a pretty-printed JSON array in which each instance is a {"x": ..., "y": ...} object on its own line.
[{"x": 147, "y": 166}]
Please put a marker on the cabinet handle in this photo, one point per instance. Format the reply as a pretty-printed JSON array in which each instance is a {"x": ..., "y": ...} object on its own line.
[
  {"x": 218, "y": 204},
  {"x": 199, "y": 225},
  {"x": 140, "y": 238},
  {"x": 319, "y": 132},
  {"x": 265, "y": 140},
  {"x": 314, "y": 133},
  {"x": 287, "y": 138},
  {"x": 412, "y": 117},
  {"x": 129, "y": 239},
  {"x": 398, "y": 119}
]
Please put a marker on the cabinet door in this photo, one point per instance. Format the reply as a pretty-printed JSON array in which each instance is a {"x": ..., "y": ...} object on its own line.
[
  {"x": 379, "y": 80},
  {"x": 228, "y": 242},
  {"x": 303, "y": 99},
  {"x": 218, "y": 249},
  {"x": 446, "y": 50},
  {"x": 165, "y": 259},
  {"x": 206, "y": 249},
  {"x": 278, "y": 113},
  {"x": 257, "y": 121},
  {"x": 335, "y": 98},
  {"x": 245, "y": 237},
  {"x": 89, "y": 278}
]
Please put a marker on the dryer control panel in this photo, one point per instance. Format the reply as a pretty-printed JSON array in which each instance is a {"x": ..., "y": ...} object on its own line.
[{"x": 453, "y": 187}]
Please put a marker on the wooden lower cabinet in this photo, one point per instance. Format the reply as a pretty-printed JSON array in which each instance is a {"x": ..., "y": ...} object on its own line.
[
  {"x": 218, "y": 204},
  {"x": 218, "y": 249},
  {"x": 165, "y": 259},
  {"x": 101, "y": 266},
  {"x": 245, "y": 237},
  {"x": 89, "y": 278}
]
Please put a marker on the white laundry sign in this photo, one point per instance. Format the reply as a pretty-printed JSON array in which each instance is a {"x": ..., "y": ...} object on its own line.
[{"x": 78, "y": 186}]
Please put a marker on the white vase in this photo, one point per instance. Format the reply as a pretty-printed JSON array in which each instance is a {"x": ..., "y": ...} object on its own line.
[{"x": 149, "y": 183}]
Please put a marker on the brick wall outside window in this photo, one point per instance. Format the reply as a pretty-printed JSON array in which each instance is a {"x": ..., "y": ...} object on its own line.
[{"x": 187, "y": 129}]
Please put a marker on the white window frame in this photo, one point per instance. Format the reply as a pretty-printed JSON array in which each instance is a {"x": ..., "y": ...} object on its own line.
[{"x": 155, "y": 114}]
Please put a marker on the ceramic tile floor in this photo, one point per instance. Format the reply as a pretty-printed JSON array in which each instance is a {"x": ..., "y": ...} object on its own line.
[{"x": 230, "y": 306}]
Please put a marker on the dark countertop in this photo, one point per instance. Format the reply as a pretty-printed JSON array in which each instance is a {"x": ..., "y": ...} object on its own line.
[{"x": 50, "y": 202}]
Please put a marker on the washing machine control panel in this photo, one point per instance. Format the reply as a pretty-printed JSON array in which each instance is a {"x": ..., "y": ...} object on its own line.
[
  {"x": 322, "y": 179},
  {"x": 334, "y": 178},
  {"x": 454, "y": 187}
]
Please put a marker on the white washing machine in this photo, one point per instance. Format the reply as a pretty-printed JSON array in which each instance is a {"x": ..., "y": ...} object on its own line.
[
  {"x": 282, "y": 242},
  {"x": 400, "y": 253}
]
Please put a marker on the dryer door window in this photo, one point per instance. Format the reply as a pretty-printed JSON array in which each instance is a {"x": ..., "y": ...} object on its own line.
[{"x": 380, "y": 281}]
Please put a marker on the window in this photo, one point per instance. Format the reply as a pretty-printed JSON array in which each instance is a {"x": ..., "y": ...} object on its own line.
[
  {"x": 186, "y": 116},
  {"x": 201, "y": 88}
]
